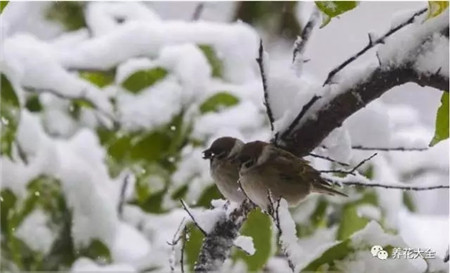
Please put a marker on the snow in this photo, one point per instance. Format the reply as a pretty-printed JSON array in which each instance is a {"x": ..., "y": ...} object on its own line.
[
  {"x": 35, "y": 232},
  {"x": 409, "y": 40},
  {"x": 245, "y": 243},
  {"x": 130, "y": 245}
]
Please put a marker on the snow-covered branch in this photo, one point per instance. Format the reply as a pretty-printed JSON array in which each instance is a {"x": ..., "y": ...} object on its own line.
[
  {"x": 372, "y": 43},
  {"x": 302, "y": 40},
  {"x": 217, "y": 244}
]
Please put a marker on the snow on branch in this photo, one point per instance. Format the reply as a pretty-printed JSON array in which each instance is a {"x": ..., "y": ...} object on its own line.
[
  {"x": 372, "y": 43},
  {"x": 302, "y": 40},
  {"x": 217, "y": 244}
]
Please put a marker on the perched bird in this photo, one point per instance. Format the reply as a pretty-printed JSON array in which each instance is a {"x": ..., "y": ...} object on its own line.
[
  {"x": 264, "y": 168},
  {"x": 224, "y": 171}
]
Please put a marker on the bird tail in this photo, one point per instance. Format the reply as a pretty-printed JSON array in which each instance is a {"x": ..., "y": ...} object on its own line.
[{"x": 321, "y": 188}]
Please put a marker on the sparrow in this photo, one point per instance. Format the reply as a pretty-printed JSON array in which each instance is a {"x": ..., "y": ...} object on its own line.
[
  {"x": 270, "y": 172},
  {"x": 224, "y": 171}
]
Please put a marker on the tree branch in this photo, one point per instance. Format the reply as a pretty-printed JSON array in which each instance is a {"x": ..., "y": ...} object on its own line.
[
  {"x": 217, "y": 244},
  {"x": 387, "y": 149},
  {"x": 260, "y": 61},
  {"x": 312, "y": 132},
  {"x": 198, "y": 11},
  {"x": 398, "y": 187},
  {"x": 329, "y": 159},
  {"x": 372, "y": 43},
  {"x": 353, "y": 170},
  {"x": 302, "y": 40},
  {"x": 185, "y": 207}
]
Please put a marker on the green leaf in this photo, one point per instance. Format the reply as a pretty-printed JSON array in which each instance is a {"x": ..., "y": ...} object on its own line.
[
  {"x": 409, "y": 201},
  {"x": 218, "y": 101},
  {"x": 151, "y": 147},
  {"x": 213, "y": 59},
  {"x": 258, "y": 226},
  {"x": 98, "y": 78},
  {"x": 3, "y": 5},
  {"x": 69, "y": 13},
  {"x": 142, "y": 79},
  {"x": 193, "y": 245},
  {"x": 334, "y": 253},
  {"x": 8, "y": 201},
  {"x": 442, "y": 120},
  {"x": 350, "y": 222},
  {"x": 209, "y": 194},
  {"x": 33, "y": 103},
  {"x": 436, "y": 7},
  {"x": 331, "y": 9},
  {"x": 96, "y": 250},
  {"x": 9, "y": 115}
]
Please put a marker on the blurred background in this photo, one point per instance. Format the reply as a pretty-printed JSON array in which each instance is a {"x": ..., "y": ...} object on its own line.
[{"x": 106, "y": 107}]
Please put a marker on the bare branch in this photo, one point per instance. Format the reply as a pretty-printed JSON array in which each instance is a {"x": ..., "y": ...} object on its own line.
[
  {"x": 387, "y": 149},
  {"x": 198, "y": 11},
  {"x": 398, "y": 187},
  {"x": 329, "y": 159},
  {"x": 174, "y": 242},
  {"x": 352, "y": 171},
  {"x": 186, "y": 208},
  {"x": 372, "y": 43},
  {"x": 302, "y": 40},
  {"x": 300, "y": 115},
  {"x": 123, "y": 190},
  {"x": 260, "y": 61}
]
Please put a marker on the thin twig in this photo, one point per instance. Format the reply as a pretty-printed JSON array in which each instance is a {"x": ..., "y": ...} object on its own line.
[
  {"x": 402, "y": 149},
  {"x": 353, "y": 170},
  {"x": 371, "y": 44},
  {"x": 274, "y": 213},
  {"x": 183, "y": 246},
  {"x": 302, "y": 40},
  {"x": 198, "y": 11},
  {"x": 185, "y": 207},
  {"x": 174, "y": 242},
  {"x": 260, "y": 61},
  {"x": 407, "y": 188},
  {"x": 299, "y": 116},
  {"x": 123, "y": 190},
  {"x": 329, "y": 159}
]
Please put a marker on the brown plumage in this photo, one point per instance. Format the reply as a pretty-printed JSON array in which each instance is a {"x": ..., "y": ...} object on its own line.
[{"x": 264, "y": 167}]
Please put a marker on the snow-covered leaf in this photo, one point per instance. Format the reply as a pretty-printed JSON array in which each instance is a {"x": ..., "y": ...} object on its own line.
[
  {"x": 213, "y": 59},
  {"x": 142, "y": 79},
  {"x": 99, "y": 78},
  {"x": 442, "y": 120},
  {"x": 350, "y": 221},
  {"x": 10, "y": 114},
  {"x": 336, "y": 252},
  {"x": 259, "y": 227},
  {"x": 332, "y": 9},
  {"x": 218, "y": 101}
]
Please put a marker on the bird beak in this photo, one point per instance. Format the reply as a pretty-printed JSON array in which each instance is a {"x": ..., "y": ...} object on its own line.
[{"x": 207, "y": 154}]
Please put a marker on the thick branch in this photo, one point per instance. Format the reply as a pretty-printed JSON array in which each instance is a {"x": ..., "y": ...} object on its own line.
[
  {"x": 313, "y": 131},
  {"x": 217, "y": 244}
]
